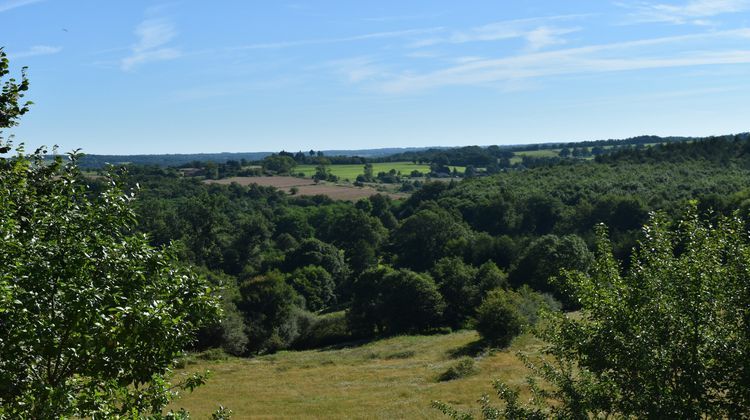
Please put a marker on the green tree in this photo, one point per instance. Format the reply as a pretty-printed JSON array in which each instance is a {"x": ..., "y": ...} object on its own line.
[
  {"x": 543, "y": 259},
  {"x": 268, "y": 304},
  {"x": 315, "y": 284},
  {"x": 668, "y": 338},
  {"x": 388, "y": 301},
  {"x": 421, "y": 239},
  {"x": 498, "y": 319},
  {"x": 91, "y": 316},
  {"x": 279, "y": 164}
]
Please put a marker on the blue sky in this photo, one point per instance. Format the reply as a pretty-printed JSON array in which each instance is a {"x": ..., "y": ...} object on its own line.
[{"x": 133, "y": 76}]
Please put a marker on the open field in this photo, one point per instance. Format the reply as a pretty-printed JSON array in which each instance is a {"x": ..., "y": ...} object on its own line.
[
  {"x": 280, "y": 182},
  {"x": 306, "y": 186},
  {"x": 350, "y": 172},
  {"x": 387, "y": 379}
]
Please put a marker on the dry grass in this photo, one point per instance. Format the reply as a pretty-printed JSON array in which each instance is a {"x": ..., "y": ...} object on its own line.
[
  {"x": 266, "y": 181},
  {"x": 387, "y": 379},
  {"x": 306, "y": 186}
]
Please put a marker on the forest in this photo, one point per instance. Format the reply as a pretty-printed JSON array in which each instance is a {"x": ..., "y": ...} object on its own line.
[{"x": 448, "y": 244}]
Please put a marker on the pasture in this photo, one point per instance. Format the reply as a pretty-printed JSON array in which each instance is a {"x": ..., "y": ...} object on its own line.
[
  {"x": 351, "y": 172},
  {"x": 386, "y": 379}
]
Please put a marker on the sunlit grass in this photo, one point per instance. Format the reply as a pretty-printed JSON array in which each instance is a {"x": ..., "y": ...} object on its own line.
[{"x": 391, "y": 378}]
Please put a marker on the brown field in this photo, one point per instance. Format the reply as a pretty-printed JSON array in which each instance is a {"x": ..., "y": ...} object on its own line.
[
  {"x": 280, "y": 182},
  {"x": 306, "y": 186},
  {"x": 394, "y": 378}
]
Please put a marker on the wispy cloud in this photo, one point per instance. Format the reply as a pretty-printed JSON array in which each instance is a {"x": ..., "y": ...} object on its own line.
[
  {"x": 153, "y": 36},
  {"x": 321, "y": 41},
  {"x": 36, "y": 50},
  {"x": 538, "y": 32},
  {"x": 692, "y": 12},
  {"x": 358, "y": 69},
  {"x": 398, "y": 18},
  {"x": 622, "y": 56},
  {"x": 12, "y": 4}
]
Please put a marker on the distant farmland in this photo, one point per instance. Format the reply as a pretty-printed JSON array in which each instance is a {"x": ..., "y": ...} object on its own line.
[
  {"x": 306, "y": 186},
  {"x": 351, "y": 172}
]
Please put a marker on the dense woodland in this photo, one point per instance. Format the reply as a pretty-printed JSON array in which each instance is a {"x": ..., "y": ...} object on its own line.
[{"x": 296, "y": 272}]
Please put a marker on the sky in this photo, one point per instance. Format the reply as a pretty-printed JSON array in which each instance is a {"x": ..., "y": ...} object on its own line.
[{"x": 146, "y": 77}]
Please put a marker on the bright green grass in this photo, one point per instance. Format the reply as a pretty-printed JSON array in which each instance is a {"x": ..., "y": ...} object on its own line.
[
  {"x": 350, "y": 172},
  {"x": 385, "y": 379}
]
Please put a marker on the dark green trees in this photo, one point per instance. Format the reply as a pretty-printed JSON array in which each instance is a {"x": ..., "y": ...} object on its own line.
[
  {"x": 279, "y": 163},
  {"x": 422, "y": 238},
  {"x": 545, "y": 257},
  {"x": 387, "y": 301},
  {"x": 463, "y": 287}
]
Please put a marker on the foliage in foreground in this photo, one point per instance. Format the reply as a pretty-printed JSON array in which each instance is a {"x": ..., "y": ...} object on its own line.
[
  {"x": 91, "y": 316},
  {"x": 667, "y": 339}
]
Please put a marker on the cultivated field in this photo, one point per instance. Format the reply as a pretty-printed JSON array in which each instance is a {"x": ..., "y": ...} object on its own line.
[
  {"x": 350, "y": 172},
  {"x": 306, "y": 186},
  {"x": 387, "y": 379}
]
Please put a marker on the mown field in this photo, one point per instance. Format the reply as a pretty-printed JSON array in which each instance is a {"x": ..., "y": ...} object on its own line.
[
  {"x": 306, "y": 186},
  {"x": 386, "y": 379},
  {"x": 351, "y": 172}
]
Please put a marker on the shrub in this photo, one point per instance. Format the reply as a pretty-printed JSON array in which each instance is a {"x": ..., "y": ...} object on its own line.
[
  {"x": 323, "y": 330},
  {"x": 461, "y": 369},
  {"x": 498, "y": 318}
]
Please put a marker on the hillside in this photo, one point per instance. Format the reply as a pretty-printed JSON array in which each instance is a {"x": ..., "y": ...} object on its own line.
[{"x": 386, "y": 379}]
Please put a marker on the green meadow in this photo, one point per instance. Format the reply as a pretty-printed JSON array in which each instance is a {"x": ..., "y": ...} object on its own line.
[{"x": 392, "y": 378}]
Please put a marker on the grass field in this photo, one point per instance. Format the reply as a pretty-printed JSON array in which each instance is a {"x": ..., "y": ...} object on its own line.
[
  {"x": 350, "y": 172},
  {"x": 387, "y": 379}
]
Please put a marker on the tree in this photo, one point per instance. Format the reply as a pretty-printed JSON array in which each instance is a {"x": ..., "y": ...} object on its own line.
[
  {"x": 279, "y": 163},
  {"x": 388, "y": 301},
  {"x": 668, "y": 338},
  {"x": 421, "y": 239},
  {"x": 315, "y": 284},
  {"x": 314, "y": 252},
  {"x": 268, "y": 304},
  {"x": 368, "y": 174},
  {"x": 498, "y": 318},
  {"x": 91, "y": 316},
  {"x": 543, "y": 259}
]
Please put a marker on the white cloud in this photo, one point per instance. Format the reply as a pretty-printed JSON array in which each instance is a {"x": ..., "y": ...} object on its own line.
[
  {"x": 622, "y": 56},
  {"x": 153, "y": 35},
  {"x": 320, "y": 41},
  {"x": 694, "y": 12},
  {"x": 543, "y": 37},
  {"x": 538, "y": 32},
  {"x": 12, "y": 4},
  {"x": 37, "y": 50}
]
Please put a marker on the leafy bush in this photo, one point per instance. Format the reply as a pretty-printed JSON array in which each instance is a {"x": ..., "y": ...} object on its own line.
[
  {"x": 498, "y": 318},
  {"x": 461, "y": 369},
  {"x": 323, "y": 330}
]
